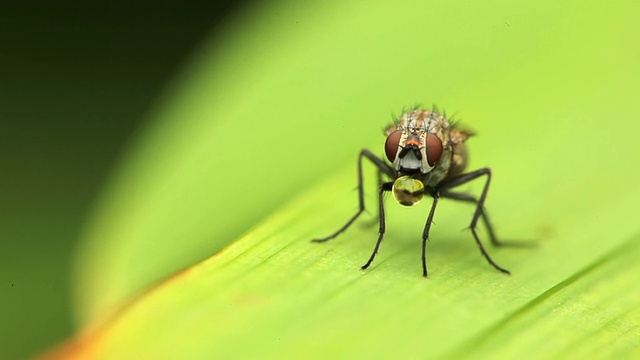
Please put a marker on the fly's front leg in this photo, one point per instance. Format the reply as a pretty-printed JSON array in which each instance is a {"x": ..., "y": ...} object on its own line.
[
  {"x": 383, "y": 167},
  {"x": 384, "y": 187},
  {"x": 425, "y": 233},
  {"x": 465, "y": 178},
  {"x": 372, "y": 221}
]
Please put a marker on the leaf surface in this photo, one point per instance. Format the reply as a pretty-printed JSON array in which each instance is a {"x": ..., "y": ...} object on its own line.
[{"x": 261, "y": 137}]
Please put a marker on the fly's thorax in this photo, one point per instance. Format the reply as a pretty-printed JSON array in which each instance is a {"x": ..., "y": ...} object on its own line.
[{"x": 419, "y": 144}]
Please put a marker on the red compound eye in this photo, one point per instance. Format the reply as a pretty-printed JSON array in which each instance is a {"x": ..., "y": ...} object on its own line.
[
  {"x": 391, "y": 145},
  {"x": 434, "y": 148}
]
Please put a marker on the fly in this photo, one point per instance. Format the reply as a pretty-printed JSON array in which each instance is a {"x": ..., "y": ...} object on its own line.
[{"x": 426, "y": 155}]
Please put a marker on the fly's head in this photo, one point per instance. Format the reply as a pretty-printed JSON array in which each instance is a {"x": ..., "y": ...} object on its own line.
[{"x": 414, "y": 147}]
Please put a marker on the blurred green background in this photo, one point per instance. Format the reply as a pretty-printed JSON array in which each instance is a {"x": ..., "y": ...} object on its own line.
[{"x": 76, "y": 80}]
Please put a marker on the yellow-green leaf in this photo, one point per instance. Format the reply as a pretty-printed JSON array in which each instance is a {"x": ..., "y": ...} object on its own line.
[{"x": 261, "y": 136}]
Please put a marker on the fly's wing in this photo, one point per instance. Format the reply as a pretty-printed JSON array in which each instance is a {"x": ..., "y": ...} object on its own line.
[{"x": 459, "y": 154}]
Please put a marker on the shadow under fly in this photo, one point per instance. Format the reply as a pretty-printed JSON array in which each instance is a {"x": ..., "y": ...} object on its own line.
[{"x": 426, "y": 155}]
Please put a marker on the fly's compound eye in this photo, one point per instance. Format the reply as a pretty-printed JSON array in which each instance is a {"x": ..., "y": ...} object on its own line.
[
  {"x": 434, "y": 148},
  {"x": 391, "y": 145}
]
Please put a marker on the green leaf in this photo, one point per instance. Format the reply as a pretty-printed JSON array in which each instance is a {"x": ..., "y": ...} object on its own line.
[
  {"x": 272, "y": 293},
  {"x": 261, "y": 136}
]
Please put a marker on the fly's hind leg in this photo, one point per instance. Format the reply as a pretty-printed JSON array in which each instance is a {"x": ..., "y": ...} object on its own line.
[
  {"x": 485, "y": 219},
  {"x": 463, "y": 179}
]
